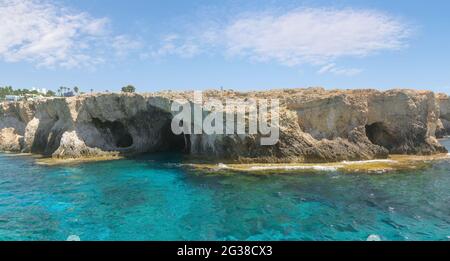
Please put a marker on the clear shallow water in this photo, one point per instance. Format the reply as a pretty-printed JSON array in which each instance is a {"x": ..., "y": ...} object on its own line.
[{"x": 151, "y": 199}]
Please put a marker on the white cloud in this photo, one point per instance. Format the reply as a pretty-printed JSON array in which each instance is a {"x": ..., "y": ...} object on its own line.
[
  {"x": 172, "y": 44},
  {"x": 314, "y": 35},
  {"x": 50, "y": 35},
  {"x": 124, "y": 44},
  {"x": 332, "y": 68}
]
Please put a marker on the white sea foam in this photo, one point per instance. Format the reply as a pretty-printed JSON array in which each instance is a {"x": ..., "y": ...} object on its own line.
[
  {"x": 222, "y": 166},
  {"x": 285, "y": 167},
  {"x": 369, "y": 161},
  {"x": 173, "y": 165}
]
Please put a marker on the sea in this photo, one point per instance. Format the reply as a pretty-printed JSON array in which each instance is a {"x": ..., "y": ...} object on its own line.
[{"x": 156, "y": 197}]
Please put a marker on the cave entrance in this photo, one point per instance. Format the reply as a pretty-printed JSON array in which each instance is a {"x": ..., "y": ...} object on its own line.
[
  {"x": 380, "y": 135},
  {"x": 115, "y": 132},
  {"x": 178, "y": 143},
  {"x": 175, "y": 143}
]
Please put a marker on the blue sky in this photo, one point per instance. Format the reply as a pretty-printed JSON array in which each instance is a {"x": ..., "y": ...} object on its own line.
[{"x": 241, "y": 45}]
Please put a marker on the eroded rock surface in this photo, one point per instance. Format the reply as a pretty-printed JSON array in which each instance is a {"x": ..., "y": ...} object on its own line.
[
  {"x": 316, "y": 125},
  {"x": 443, "y": 128}
]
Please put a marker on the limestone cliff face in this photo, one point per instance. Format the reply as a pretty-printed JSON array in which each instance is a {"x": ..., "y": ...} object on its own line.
[
  {"x": 443, "y": 128},
  {"x": 83, "y": 126},
  {"x": 315, "y": 126}
]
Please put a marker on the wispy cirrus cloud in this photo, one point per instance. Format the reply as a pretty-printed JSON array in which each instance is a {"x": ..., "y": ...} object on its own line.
[
  {"x": 334, "y": 69},
  {"x": 173, "y": 45},
  {"x": 314, "y": 36},
  {"x": 50, "y": 35},
  {"x": 123, "y": 45}
]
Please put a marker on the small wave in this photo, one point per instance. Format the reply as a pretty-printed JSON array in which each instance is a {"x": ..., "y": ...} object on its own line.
[
  {"x": 218, "y": 167},
  {"x": 319, "y": 168},
  {"x": 369, "y": 161},
  {"x": 222, "y": 166},
  {"x": 381, "y": 171},
  {"x": 174, "y": 165}
]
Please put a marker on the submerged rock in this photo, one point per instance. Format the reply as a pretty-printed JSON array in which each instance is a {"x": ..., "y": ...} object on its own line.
[
  {"x": 73, "y": 238},
  {"x": 315, "y": 125},
  {"x": 374, "y": 238}
]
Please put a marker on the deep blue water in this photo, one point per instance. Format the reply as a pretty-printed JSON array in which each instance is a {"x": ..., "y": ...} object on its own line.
[{"x": 151, "y": 199}]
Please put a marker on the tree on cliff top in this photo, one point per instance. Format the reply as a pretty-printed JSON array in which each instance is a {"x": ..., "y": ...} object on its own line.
[
  {"x": 8, "y": 90},
  {"x": 129, "y": 88}
]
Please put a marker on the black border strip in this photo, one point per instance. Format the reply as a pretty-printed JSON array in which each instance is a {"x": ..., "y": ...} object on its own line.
[{"x": 79, "y": 250}]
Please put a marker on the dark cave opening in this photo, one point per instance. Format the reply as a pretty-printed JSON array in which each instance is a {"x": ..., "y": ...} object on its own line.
[
  {"x": 178, "y": 143},
  {"x": 175, "y": 143},
  {"x": 124, "y": 141},
  {"x": 115, "y": 131},
  {"x": 380, "y": 135}
]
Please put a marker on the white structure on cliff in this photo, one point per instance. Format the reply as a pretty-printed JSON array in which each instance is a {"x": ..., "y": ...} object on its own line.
[
  {"x": 13, "y": 98},
  {"x": 40, "y": 90}
]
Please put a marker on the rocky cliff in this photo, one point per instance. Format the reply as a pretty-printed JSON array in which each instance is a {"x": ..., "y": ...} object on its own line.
[
  {"x": 315, "y": 125},
  {"x": 444, "y": 121}
]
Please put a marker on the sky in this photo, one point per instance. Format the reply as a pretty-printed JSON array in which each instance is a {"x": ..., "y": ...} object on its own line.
[{"x": 240, "y": 45}]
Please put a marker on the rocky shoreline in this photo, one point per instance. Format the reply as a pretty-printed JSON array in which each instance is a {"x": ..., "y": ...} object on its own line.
[
  {"x": 393, "y": 163},
  {"x": 316, "y": 126}
]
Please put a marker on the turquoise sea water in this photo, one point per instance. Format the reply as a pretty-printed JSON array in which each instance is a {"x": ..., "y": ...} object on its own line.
[{"x": 151, "y": 198}]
